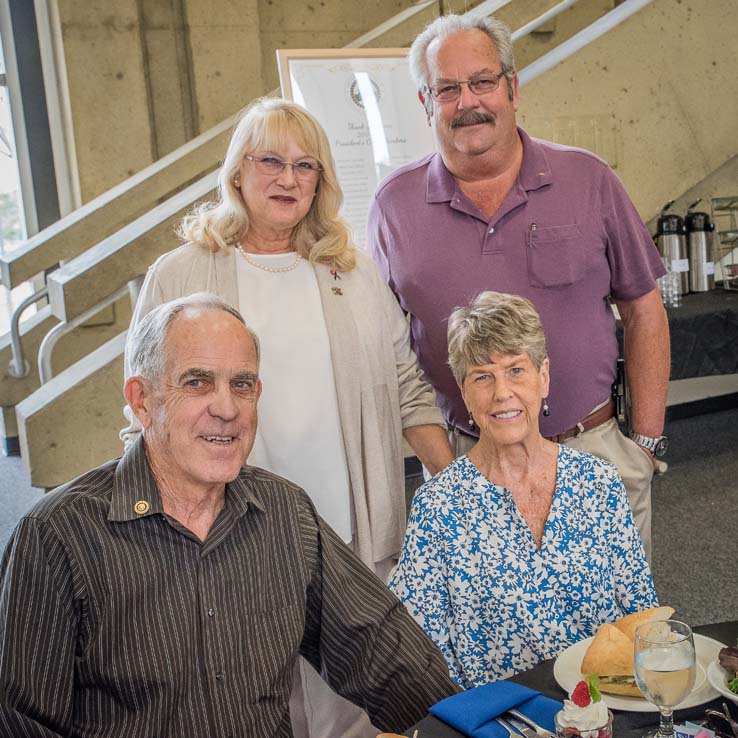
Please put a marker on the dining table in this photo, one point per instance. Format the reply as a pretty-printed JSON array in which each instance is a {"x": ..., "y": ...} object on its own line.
[{"x": 625, "y": 724}]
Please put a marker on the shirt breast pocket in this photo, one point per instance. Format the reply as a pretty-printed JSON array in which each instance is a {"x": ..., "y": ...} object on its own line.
[{"x": 554, "y": 255}]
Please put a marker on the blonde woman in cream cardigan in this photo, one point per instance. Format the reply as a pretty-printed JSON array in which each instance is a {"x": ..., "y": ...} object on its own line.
[{"x": 341, "y": 385}]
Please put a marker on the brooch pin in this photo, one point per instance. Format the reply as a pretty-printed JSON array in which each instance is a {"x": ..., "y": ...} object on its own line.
[
  {"x": 336, "y": 290},
  {"x": 335, "y": 274}
]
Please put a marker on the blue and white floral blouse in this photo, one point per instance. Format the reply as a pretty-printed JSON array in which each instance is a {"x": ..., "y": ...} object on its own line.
[{"x": 472, "y": 576}]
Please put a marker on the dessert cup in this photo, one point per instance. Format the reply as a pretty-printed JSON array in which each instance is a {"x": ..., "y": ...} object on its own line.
[{"x": 567, "y": 731}]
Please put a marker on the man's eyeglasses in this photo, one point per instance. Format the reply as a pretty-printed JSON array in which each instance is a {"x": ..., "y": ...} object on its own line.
[
  {"x": 305, "y": 169},
  {"x": 448, "y": 91}
]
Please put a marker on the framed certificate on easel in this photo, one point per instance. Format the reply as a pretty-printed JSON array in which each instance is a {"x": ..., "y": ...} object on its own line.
[{"x": 368, "y": 104}]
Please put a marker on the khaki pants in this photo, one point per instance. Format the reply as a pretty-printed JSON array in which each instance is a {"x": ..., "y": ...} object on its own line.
[
  {"x": 607, "y": 442},
  {"x": 316, "y": 711}
]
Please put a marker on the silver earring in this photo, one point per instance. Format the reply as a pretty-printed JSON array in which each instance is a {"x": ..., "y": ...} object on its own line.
[
  {"x": 236, "y": 183},
  {"x": 546, "y": 411},
  {"x": 471, "y": 421}
]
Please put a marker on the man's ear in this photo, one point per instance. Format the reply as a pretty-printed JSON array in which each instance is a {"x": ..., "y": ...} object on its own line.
[
  {"x": 137, "y": 392},
  {"x": 515, "y": 92},
  {"x": 427, "y": 103}
]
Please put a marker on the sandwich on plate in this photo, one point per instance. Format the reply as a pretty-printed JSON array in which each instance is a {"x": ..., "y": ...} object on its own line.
[{"x": 610, "y": 654}]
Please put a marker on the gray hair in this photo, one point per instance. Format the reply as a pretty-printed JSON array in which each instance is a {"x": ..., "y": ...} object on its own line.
[
  {"x": 494, "y": 323},
  {"x": 146, "y": 352},
  {"x": 447, "y": 25}
]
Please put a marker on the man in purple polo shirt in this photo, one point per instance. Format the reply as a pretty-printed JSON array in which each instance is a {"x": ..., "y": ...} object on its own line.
[{"x": 494, "y": 209}]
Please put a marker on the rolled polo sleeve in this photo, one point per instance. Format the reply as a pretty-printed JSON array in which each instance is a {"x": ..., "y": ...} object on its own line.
[
  {"x": 634, "y": 261},
  {"x": 38, "y": 635},
  {"x": 377, "y": 241}
]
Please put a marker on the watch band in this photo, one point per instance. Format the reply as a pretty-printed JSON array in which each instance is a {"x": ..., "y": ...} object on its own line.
[{"x": 657, "y": 446}]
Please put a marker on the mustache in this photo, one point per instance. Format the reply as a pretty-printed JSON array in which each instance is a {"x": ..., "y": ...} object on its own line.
[{"x": 472, "y": 118}]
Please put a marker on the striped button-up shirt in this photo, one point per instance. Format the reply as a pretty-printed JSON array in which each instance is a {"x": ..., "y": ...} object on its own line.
[{"x": 117, "y": 621}]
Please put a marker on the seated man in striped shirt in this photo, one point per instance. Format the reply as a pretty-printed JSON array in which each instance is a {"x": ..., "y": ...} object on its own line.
[{"x": 168, "y": 593}]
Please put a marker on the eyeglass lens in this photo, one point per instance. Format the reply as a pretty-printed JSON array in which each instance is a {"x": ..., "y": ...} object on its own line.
[
  {"x": 447, "y": 91},
  {"x": 303, "y": 169}
]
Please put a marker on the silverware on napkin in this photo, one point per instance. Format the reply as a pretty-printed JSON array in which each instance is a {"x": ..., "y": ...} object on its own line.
[
  {"x": 507, "y": 727},
  {"x": 539, "y": 729},
  {"x": 515, "y": 728}
]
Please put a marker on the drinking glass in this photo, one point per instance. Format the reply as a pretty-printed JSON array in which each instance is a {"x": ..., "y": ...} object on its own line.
[{"x": 665, "y": 668}]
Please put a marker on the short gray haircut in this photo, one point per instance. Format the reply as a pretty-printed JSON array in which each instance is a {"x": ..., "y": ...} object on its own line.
[
  {"x": 447, "y": 25},
  {"x": 494, "y": 323},
  {"x": 146, "y": 353}
]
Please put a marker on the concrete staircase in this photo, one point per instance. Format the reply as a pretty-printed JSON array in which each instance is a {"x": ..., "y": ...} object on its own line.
[{"x": 642, "y": 96}]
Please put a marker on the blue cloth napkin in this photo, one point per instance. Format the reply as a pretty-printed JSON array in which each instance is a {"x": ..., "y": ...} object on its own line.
[{"x": 473, "y": 712}]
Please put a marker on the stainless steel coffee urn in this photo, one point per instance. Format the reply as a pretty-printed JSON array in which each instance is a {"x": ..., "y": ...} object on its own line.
[
  {"x": 700, "y": 245},
  {"x": 672, "y": 245}
]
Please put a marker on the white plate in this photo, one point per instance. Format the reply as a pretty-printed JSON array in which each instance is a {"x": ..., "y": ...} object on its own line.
[
  {"x": 567, "y": 674},
  {"x": 719, "y": 679}
]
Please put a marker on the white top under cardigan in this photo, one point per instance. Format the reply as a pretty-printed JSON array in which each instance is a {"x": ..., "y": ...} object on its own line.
[
  {"x": 379, "y": 387},
  {"x": 299, "y": 431}
]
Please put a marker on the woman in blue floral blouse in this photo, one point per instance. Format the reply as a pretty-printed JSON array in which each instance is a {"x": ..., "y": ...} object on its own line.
[{"x": 521, "y": 547}]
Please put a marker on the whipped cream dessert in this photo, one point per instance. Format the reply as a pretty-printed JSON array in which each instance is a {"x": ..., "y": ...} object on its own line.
[{"x": 585, "y": 713}]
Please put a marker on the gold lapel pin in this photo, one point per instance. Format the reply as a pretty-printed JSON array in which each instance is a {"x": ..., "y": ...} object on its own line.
[
  {"x": 336, "y": 290},
  {"x": 141, "y": 507}
]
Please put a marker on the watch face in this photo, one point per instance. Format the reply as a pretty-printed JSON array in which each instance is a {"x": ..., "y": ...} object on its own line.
[{"x": 661, "y": 446}]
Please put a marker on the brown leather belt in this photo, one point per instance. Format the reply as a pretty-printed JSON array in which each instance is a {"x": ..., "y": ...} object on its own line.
[{"x": 598, "y": 417}]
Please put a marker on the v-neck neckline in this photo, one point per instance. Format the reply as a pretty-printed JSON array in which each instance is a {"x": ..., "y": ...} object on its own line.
[{"x": 513, "y": 508}]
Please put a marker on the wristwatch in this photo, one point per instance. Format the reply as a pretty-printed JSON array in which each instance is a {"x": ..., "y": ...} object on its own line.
[{"x": 657, "y": 446}]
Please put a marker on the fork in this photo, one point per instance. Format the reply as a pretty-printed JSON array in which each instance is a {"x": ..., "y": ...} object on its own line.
[
  {"x": 512, "y": 733},
  {"x": 532, "y": 723},
  {"x": 522, "y": 728}
]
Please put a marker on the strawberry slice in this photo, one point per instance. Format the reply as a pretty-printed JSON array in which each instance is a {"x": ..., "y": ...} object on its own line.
[{"x": 580, "y": 696}]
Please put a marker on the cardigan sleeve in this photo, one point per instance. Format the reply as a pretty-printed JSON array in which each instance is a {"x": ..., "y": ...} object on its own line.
[{"x": 417, "y": 397}]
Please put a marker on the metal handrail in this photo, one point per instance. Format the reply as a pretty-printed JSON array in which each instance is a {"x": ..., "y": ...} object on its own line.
[
  {"x": 19, "y": 367},
  {"x": 45, "y": 372},
  {"x": 541, "y": 19},
  {"x": 579, "y": 40},
  {"x": 486, "y": 8}
]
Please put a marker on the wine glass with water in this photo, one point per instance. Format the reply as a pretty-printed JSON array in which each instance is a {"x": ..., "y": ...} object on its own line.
[{"x": 665, "y": 668}]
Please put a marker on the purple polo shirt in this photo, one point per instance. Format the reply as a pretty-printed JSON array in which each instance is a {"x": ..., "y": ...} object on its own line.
[{"x": 566, "y": 237}]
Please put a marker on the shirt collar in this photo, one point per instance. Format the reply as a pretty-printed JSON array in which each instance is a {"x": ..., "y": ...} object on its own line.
[
  {"x": 535, "y": 171},
  {"x": 441, "y": 183},
  {"x": 135, "y": 494}
]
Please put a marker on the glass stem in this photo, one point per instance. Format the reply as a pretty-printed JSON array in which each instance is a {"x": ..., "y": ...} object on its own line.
[{"x": 666, "y": 722}]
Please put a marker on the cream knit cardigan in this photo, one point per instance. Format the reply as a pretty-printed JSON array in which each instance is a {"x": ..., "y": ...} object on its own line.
[{"x": 379, "y": 386}]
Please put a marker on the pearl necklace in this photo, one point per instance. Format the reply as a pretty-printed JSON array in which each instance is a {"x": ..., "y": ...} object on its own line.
[{"x": 264, "y": 268}]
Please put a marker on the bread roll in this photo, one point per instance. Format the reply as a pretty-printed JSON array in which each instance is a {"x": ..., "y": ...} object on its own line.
[{"x": 629, "y": 623}]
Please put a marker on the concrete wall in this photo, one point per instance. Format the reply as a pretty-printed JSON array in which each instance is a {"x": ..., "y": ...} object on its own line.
[
  {"x": 145, "y": 76},
  {"x": 108, "y": 91},
  {"x": 321, "y": 24},
  {"x": 657, "y": 97}
]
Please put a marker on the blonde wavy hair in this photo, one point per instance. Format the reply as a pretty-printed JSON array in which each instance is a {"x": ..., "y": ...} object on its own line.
[{"x": 267, "y": 123}]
